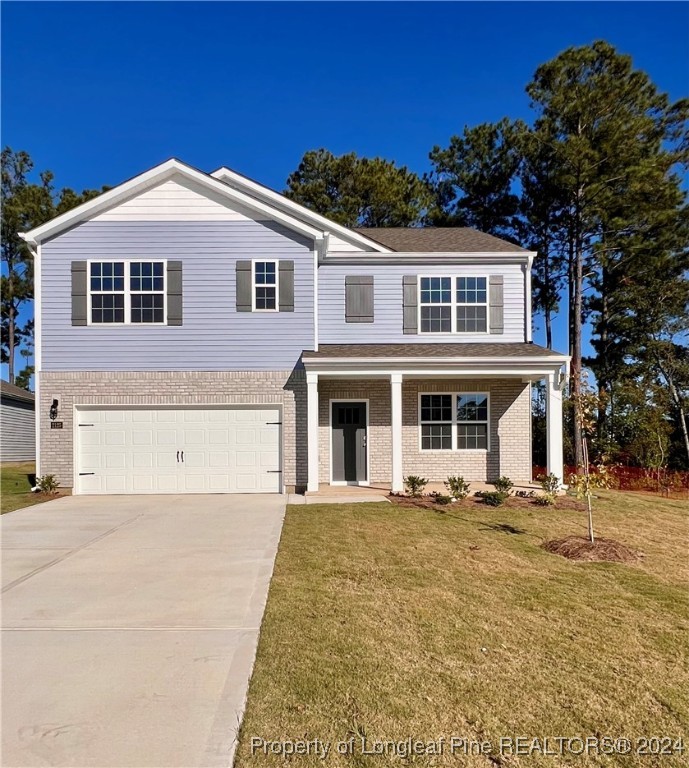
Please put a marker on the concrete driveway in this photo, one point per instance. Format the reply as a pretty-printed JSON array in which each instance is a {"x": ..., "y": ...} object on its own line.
[{"x": 130, "y": 626}]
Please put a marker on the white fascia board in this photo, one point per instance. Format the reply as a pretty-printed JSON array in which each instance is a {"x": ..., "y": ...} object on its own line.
[
  {"x": 253, "y": 188},
  {"x": 425, "y": 258},
  {"x": 455, "y": 366},
  {"x": 150, "y": 178}
]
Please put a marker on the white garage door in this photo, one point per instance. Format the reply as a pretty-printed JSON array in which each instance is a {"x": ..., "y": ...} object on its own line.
[{"x": 204, "y": 450}]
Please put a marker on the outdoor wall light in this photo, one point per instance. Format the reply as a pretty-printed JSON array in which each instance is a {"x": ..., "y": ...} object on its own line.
[{"x": 53, "y": 409}]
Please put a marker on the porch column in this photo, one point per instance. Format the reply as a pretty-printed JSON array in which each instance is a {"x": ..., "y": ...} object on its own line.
[
  {"x": 396, "y": 431},
  {"x": 554, "y": 426},
  {"x": 312, "y": 431}
]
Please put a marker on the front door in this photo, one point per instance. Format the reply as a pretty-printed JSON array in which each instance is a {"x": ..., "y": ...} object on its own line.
[{"x": 349, "y": 442}]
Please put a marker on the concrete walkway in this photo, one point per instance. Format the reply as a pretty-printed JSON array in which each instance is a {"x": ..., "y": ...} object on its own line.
[{"x": 130, "y": 626}]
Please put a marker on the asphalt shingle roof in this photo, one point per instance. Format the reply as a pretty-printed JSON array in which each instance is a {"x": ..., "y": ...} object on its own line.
[
  {"x": 17, "y": 393},
  {"x": 459, "y": 350},
  {"x": 444, "y": 239}
]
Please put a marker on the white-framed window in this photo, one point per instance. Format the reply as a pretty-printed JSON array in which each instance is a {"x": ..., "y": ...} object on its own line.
[
  {"x": 472, "y": 305},
  {"x": 264, "y": 287},
  {"x": 126, "y": 292},
  {"x": 454, "y": 421},
  {"x": 453, "y": 304}
]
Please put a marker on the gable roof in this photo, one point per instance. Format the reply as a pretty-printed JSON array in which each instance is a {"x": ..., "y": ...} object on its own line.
[
  {"x": 442, "y": 239},
  {"x": 261, "y": 201},
  {"x": 254, "y": 188},
  {"x": 16, "y": 393}
]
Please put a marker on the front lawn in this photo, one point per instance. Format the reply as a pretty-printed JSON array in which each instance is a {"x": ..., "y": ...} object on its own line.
[
  {"x": 15, "y": 487},
  {"x": 392, "y": 622}
]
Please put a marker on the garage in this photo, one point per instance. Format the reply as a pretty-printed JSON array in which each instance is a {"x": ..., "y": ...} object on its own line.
[{"x": 178, "y": 450}]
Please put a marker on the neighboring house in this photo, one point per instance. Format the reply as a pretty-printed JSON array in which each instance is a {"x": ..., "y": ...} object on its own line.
[
  {"x": 17, "y": 423},
  {"x": 201, "y": 333}
]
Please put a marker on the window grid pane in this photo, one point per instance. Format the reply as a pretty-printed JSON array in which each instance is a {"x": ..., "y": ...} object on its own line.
[
  {"x": 436, "y": 437},
  {"x": 436, "y": 319},
  {"x": 471, "y": 290},
  {"x": 471, "y": 319},
  {"x": 107, "y": 308},
  {"x": 472, "y": 437},
  {"x": 472, "y": 407},
  {"x": 148, "y": 308}
]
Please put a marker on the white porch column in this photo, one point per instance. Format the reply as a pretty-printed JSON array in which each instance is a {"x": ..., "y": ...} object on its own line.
[
  {"x": 554, "y": 426},
  {"x": 312, "y": 431},
  {"x": 396, "y": 431}
]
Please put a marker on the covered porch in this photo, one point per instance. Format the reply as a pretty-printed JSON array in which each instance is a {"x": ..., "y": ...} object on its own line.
[{"x": 375, "y": 413}]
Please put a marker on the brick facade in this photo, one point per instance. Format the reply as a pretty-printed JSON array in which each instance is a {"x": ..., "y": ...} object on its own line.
[
  {"x": 510, "y": 418},
  {"x": 510, "y": 429},
  {"x": 285, "y": 388}
]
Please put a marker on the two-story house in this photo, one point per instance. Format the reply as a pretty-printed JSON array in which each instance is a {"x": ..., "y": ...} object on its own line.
[{"x": 203, "y": 334}]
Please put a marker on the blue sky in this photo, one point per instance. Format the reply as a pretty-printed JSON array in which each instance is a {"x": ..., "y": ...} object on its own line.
[{"x": 98, "y": 92}]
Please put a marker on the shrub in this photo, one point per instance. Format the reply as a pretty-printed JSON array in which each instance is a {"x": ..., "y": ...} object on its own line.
[
  {"x": 415, "y": 484},
  {"x": 457, "y": 486},
  {"x": 503, "y": 485},
  {"x": 495, "y": 498},
  {"x": 441, "y": 498},
  {"x": 550, "y": 483},
  {"x": 545, "y": 500},
  {"x": 47, "y": 484}
]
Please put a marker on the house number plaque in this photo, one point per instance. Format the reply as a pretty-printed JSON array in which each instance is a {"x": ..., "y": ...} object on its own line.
[{"x": 56, "y": 425}]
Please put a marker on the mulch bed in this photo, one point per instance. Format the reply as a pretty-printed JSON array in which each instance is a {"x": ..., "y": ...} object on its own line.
[
  {"x": 580, "y": 548},
  {"x": 427, "y": 502}
]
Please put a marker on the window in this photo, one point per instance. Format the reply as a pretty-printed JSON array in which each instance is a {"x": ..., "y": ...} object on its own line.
[
  {"x": 127, "y": 292},
  {"x": 265, "y": 285},
  {"x": 472, "y": 422},
  {"x": 455, "y": 421},
  {"x": 147, "y": 283},
  {"x": 107, "y": 292},
  {"x": 436, "y": 422},
  {"x": 453, "y": 305},
  {"x": 436, "y": 305},
  {"x": 472, "y": 305}
]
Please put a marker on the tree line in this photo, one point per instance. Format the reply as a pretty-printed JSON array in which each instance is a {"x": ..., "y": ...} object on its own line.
[{"x": 593, "y": 183}]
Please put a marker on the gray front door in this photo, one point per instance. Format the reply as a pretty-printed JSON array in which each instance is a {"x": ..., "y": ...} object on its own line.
[{"x": 349, "y": 442}]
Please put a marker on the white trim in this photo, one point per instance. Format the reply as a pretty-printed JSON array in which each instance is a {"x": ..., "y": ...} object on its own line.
[
  {"x": 151, "y": 178},
  {"x": 312, "y": 422},
  {"x": 554, "y": 447},
  {"x": 76, "y": 407},
  {"x": 455, "y": 423},
  {"x": 253, "y": 188},
  {"x": 427, "y": 258},
  {"x": 528, "y": 304},
  {"x": 396, "y": 422},
  {"x": 453, "y": 304},
  {"x": 127, "y": 292},
  {"x": 38, "y": 357},
  {"x": 332, "y": 400},
  {"x": 275, "y": 285}
]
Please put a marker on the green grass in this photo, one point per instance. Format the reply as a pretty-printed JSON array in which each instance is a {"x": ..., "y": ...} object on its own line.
[
  {"x": 399, "y": 622},
  {"x": 15, "y": 487}
]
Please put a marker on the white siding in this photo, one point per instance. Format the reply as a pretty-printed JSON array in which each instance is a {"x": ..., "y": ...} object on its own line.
[
  {"x": 175, "y": 201},
  {"x": 338, "y": 245},
  {"x": 387, "y": 299}
]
